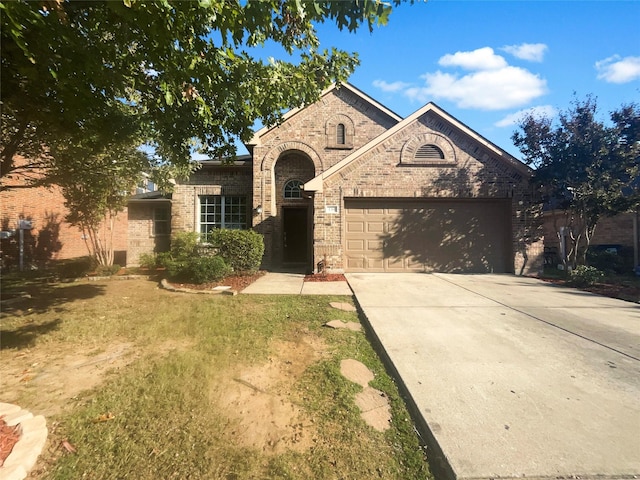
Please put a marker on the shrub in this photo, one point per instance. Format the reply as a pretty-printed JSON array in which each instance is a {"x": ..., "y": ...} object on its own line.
[
  {"x": 184, "y": 245},
  {"x": 611, "y": 262},
  {"x": 207, "y": 269},
  {"x": 583, "y": 276},
  {"x": 148, "y": 260},
  {"x": 107, "y": 270},
  {"x": 242, "y": 250},
  {"x": 75, "y": 267},
  {"x": 198, "y": 269}
]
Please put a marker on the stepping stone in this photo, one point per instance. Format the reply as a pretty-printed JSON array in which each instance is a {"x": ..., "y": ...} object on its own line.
[
  {"x": 379, "y": 418},
  {"x": 353, "y": 326},
  {"x": 356, "y": 371},
  {"x": 347, "y": 307}
]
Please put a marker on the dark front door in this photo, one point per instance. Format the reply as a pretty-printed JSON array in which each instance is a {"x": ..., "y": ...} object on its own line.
[{"x": 295, "y": 236}]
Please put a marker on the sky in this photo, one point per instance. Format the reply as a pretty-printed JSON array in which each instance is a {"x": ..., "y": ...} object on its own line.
[{"x": 488, "y": 62}]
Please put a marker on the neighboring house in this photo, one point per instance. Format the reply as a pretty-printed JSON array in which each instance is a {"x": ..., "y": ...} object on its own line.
[
  {"x": 620, "y": 234},
  {"x": 51, "y": 238},
  {"x": 347, "y": 185}
]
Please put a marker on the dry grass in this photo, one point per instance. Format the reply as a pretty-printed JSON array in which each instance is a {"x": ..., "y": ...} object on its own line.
[{"x": 192, "y": 386}]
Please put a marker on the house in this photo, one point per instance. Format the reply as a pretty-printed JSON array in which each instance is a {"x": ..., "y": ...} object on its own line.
[
  {"x": 345, "y": 184},
  {"x": 51, "y": 236}
]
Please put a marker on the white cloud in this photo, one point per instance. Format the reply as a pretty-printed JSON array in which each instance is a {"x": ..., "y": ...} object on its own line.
[
  {"x": 515, "y": 118},
  {"x": 533, "y": 52},
  {"x": 480, "y": 59},
  {"x": 493, "y": 89},
  {"x": 390, "y": 87},
  {"x": 618, "y": 70}
]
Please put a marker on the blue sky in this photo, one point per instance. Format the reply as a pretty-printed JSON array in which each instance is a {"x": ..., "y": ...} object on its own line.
[{"x": 485, "y": 62}]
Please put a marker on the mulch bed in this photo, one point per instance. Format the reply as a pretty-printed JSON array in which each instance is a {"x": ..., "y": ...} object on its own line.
[
  {"x": 240, "y": 282},
  {"x": 622, "y": 292},
  {"x": 325, "y": 277},
  {"x": 9, "y": 436}
]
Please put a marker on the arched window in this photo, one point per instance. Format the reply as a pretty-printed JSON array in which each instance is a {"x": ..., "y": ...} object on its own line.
[
  {"x": 340, "y": 134},
  {"x": 428, "y": 152},
  {"x": 293, "y": 189}
]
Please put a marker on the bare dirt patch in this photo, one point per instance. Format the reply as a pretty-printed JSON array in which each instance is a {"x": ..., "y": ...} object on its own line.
[
  {"x": 259, "y": 403},
  {"x": 55, "y": 379}
]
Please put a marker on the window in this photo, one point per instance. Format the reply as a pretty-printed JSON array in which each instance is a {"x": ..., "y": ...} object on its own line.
[
  {"x": 217, "y": 211},
  {"x": 161, "y": 221},
  {"x": 340, "y": 134},
  {"x": 428, "y": 152},
  {"x": 293, "y": 189}
]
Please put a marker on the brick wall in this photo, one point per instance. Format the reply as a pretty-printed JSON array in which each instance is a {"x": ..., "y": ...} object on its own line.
[
  {"x": 310, "y": 133},
  {"x": 52, "y": 238},
  {"x": 473, "y": 172},
  {"x": 140, "y": 230},
  {"x": 618, "y": 230},
  {"x": 209, "y": 180}
]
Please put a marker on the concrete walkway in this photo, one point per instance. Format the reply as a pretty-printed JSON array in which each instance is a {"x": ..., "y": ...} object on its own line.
[
  {"x": 512, "y": 377},
  {"x": 276, "y": 283}
]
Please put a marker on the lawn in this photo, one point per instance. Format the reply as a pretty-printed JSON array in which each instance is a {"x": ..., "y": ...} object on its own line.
[{"x": 146, "y": 384}]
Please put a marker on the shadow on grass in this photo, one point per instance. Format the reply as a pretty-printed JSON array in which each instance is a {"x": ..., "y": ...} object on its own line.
[
  {"x": 40, "y": 298},
  {"x": 26, "y": 335}
]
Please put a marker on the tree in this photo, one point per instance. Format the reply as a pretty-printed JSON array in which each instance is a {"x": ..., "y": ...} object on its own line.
[
  {"x": 95, "y": 185},
  {"x": 180, "y": 73},
  {"x": 585, "y": 169}
]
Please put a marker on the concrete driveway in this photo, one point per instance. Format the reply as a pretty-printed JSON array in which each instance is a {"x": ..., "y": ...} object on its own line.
[{"x": 510, "y": 376}]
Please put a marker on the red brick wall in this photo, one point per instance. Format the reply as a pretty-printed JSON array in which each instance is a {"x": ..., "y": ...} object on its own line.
[{"x": 45, "y": 208}]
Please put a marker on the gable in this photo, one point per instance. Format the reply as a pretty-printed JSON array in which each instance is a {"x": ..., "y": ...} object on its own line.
[
  {"x": 430, "y": 143},
  {"x": 352, "y": 96}
]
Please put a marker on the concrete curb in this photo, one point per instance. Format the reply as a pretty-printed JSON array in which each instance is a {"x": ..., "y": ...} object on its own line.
[
  {"x": 33, "y": 435},
  {"x": 167, "y": 286}
]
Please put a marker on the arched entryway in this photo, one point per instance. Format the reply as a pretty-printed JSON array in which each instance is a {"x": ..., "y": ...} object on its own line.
[{"x": 294, "y": 218}]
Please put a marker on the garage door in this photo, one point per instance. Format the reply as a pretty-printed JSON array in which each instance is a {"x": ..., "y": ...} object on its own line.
[{"x": 400, "y": 235}]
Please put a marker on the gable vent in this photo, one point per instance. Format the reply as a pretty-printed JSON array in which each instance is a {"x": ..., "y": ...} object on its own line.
[{"x": 429, "y": 152}]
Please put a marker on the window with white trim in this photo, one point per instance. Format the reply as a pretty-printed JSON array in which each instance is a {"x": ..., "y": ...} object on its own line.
[
  {"x": 220, "y": 211},
  {"x": 293, "y": 189},
  {"x": 161, "y": 221}
]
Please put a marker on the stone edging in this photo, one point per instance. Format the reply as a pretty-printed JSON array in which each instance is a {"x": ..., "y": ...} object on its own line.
[
  {"x": 33, "y": 435},
  {"x": 167, "y": 286}
]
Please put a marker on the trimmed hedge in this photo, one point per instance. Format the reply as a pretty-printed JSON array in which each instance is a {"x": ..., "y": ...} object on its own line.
[{"x": 242, "y": 250}]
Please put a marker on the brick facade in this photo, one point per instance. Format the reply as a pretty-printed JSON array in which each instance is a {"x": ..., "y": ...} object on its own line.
[
  {"x": 52, "y": 238},
  {"x": 310, "y": 134},
  {"x": 346, "y": 146},
  {"x": 621, "y": 230},
  {"x": 472, "y": 170}
]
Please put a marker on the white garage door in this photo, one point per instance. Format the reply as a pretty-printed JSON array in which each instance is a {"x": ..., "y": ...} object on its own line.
[{"x": 387, "y": 235}]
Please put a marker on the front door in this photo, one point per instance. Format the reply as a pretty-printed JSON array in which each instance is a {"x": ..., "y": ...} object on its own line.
[{"x": 295, "y": 238}]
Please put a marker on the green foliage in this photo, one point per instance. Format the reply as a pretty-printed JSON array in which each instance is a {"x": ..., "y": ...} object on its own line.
[
  {"x": 207, "y": 269},
  {"x": 178, "y": 74},
  {"x": 184, "y": 245},
  {"x": 75, "y": 267},
  {"x": 583, "y": 276},
  {"x": 585, "y": 169},
  {"x": 187, "y": 262},
  {"x": 241, "y": 249},
  {"x": 611, "y": 262},
  {"x": 107, "y": 270},
  {"x": 148, "y": 260}
]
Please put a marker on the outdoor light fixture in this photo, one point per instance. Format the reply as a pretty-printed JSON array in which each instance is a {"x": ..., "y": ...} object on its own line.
[{"x": 258, "y": 210}]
